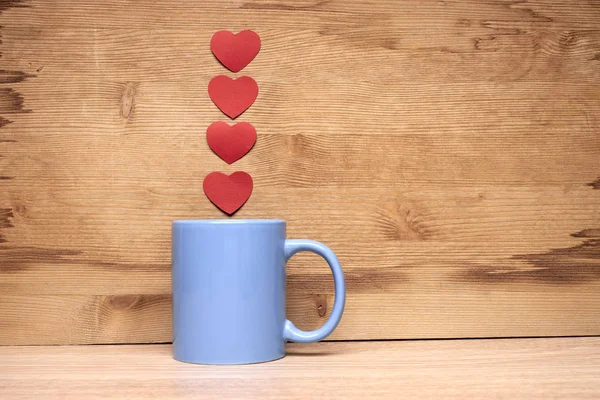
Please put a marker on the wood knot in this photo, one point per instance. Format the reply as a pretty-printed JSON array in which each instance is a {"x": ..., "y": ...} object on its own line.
[
  {"x": 321, "y": 304},
  {"x": 298, "y": 145},
  {"x": 567, "y": 39},
  {"x": 489, "y": 43},
  {"x": 463, "y": 22},
  {"x": 13, "y": 76},
  {"x": 402, "y": 223},
  {"x": 595, "y": 184},
  {"x": 6, "y": 216},
  {"x": 390, "y": 44},
  {"x": 12, "y": 102},
  {"x": 587, "y": 233},
  {"x": 127, "y": 99},
  {"x": 123, "y": 302},
  {"x": 20, "y": 209}
]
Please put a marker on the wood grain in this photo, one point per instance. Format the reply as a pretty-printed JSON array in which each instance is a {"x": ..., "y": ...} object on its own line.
[
  {"x": 447, "y": 152},
  {"x": 456, "y": 369}
]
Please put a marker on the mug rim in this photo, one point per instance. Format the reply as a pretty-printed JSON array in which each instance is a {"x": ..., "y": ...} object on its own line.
[{"x": 220, "y": 221}]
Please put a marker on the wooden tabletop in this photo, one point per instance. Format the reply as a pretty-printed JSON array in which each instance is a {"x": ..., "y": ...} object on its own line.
[{"x": 499, "y": 368}]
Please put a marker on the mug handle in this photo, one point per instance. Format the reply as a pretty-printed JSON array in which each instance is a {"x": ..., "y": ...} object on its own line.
[{"x": 290, "y": 332}]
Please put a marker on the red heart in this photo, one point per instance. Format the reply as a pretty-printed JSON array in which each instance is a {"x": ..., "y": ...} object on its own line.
[
  {"x": 228, "y": 193},
  {"x": 232, "y": 96},
  {"x": 231, "y": 142},
  {"x": 235, "y": 51}
]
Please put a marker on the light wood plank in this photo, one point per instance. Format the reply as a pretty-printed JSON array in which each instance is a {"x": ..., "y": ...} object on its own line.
[
  {"x": 298, "y": 160},
  {"x": 471, "y": 369},
  {"x": 299, "y": 13},
  {"x": 437, "y": 308},
  {"x": 123, "y": 247}
]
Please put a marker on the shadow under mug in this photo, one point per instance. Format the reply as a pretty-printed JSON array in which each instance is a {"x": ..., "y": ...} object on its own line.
[{"x": 228, "y": 283}]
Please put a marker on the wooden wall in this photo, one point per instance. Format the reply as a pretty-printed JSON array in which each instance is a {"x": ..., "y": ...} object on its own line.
[{"x": 448, "y": 151}]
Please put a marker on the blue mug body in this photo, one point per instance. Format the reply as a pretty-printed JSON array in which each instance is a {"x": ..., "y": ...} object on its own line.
[{"x": 228, "y": 291}]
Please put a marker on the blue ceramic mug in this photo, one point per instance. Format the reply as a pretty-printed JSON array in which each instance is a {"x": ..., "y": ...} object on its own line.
[{"x": 228, "y": 283}]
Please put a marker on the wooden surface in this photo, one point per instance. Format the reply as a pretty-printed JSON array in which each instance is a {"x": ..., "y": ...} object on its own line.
[
  {"x": 565, "y": 368},
  {"x": 447, "y": 151}
]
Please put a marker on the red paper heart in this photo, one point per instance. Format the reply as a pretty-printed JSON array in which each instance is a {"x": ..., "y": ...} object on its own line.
[
  {"x": 235, "y": 51},
  {"x": 228, "y": 193},
  {"x": 231, "y": 142},
  {"x": 232, "y": 96}
]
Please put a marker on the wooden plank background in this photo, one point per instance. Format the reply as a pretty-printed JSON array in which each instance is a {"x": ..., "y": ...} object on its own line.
[{"x": 448, "y": 151}]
